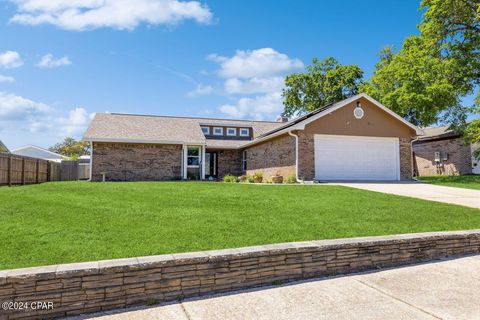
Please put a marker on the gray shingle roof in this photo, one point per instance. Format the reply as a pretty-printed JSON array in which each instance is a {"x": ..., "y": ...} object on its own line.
[
  {"x": 115, "y": 127},
  {"x": 437, "y": 132}
]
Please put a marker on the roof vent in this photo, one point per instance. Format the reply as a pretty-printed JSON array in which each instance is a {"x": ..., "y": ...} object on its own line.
[{"x": 282, "y": 119}]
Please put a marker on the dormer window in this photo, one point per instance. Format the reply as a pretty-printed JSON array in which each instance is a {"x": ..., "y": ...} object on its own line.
[
  {"x": 231, "y": 131},
  {"x": 244, "y": 132},
  {"x": 206, "y": 130},
  {"x": 217, "y": 131}
]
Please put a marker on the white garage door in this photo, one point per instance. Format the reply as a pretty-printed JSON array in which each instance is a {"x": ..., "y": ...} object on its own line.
[{"x": 356, "y": 158}]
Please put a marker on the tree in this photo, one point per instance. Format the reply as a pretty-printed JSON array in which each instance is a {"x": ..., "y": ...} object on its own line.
[
  {"x": 324, "y": 82},
  {"x": 414, "y": 83},
  {"x": 427, "y": 78},
  {"x": 71, "y": 148}
]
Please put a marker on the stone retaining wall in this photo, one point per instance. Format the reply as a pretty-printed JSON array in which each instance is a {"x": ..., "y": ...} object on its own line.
[{"x": 94, "y": 286}]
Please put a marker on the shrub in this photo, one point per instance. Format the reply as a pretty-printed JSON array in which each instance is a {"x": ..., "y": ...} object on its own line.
[
  {"x": 230, "y": 178},
  {"x": 290, "y": 179},
  {"x": 258, "y": 177},
  {"x": 250, "y": 179},
  {"x": 243, "y": 178}
]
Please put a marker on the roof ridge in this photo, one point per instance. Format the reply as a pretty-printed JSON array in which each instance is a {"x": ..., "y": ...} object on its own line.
[{"x": 185, "y": 117}]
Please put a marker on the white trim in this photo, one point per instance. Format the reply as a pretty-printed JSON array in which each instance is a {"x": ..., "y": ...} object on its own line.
[
  {"x": 234, "y": 132},
  {"x": 216, "y": 134},
  {"x": 245, "y": 135},
  {"x": 144, "y": 141},
  {"x": 301, "y": 124},
  {"x": 339, "y": 136},
  {"x": 184, "y": 161},
  {"x": 202, "y": 174},
  {"x": 205, "y": 127}
]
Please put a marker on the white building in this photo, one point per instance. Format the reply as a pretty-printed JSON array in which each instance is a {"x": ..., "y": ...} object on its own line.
[{"x": 37, "y": 152}]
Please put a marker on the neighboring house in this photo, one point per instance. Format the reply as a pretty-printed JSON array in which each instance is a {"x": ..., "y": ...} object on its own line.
[
  {"x": 354, "y": 139},
  {"x": 3, "y": 148},
  {"x": 442, "y": 151},
  {"x": 37, "y": 152}
]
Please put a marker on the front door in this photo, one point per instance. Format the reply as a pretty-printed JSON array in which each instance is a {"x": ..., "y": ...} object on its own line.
[{"x": 211, "y": 161}]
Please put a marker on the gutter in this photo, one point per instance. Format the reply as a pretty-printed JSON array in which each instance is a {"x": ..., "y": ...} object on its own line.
[{"x": 296, "y": 155}]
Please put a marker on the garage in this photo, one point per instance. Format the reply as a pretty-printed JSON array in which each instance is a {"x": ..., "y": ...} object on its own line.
[{"x": 340, "y": 157}]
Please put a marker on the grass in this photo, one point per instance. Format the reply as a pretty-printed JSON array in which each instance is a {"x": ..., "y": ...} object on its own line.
[
  {"x": 62, "y": 222},
  {"x": 468, "y": 181}
]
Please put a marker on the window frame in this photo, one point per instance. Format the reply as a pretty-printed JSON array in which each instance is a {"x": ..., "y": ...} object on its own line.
[
  {"x": 234, "y": 132},
  {"x": 208, "y": 130},
  {"x": 218, "y": 134},
  {"x": 245, "y": 135},
  {"x": 197, "y": 156}
]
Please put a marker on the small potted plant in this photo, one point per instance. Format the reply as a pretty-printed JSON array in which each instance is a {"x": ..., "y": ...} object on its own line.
[
  {"x": 277, "y": 178},
  {"x": 258, "y": 177}
]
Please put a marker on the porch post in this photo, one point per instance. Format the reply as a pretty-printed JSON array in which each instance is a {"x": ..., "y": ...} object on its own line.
[
  {"x": 184, "y": 161},
  {"x": 202, "y": 167}
]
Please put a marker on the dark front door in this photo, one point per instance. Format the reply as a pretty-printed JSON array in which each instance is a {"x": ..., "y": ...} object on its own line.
[{"x": 211, "y": 162}]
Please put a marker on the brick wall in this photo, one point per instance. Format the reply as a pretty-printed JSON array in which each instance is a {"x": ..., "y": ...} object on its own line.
[
  {"x": 229, "y": 162},
  {"x": 136, "y": 162},
  {"x": 406, "y": 164},
  {"x": 95, "y": 286},
  {"x": 459, "y": 157},
  {"x": 276, "y": 156}
]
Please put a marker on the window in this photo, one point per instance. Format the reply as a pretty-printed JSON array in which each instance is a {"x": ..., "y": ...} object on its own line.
[
  {"x": 244, "y": 160},
  {"x": 217, "y": 131},
  {"x": 193, "y": 156},
  {"x": 244, "y": 132},
  {"x": 206, "y": 130},
  {"x": 231, "y": 131}
]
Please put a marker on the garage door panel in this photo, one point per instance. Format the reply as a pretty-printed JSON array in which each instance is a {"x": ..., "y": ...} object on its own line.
[{"x": 356, "y": 158}]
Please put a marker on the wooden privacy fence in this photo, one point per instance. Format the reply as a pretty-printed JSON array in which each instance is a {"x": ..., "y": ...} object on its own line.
[{"x": 15, "y": 169}]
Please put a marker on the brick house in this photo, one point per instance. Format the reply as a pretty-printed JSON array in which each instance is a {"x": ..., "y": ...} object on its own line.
[
  {"x": 354, "y": 139},
  {"x": 441, "y": 151}
]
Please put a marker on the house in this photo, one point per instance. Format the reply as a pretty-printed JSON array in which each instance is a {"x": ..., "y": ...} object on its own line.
[
  {"x": 354, "y": 139},
  {"x": 442, "y": 151},
  {"x": 37, "y": 152},
  {"x": 3, "y": 148}
]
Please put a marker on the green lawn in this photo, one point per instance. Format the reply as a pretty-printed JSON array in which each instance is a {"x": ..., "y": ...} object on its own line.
[
  {"x": 63, "y": 222},
  {"x": 469, "y": 182}
]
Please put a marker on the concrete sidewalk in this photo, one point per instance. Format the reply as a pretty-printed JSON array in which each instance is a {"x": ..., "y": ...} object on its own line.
[
  {"x": 459, "y": 196},
  {"x": 447, "y": 289}
]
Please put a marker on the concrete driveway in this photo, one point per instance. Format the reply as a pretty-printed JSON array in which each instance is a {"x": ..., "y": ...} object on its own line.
[
  {"x": 460, "y": 196},
  {"x": 440, "y": 290}
]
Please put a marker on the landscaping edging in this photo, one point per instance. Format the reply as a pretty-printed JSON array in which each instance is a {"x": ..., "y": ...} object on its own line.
[{"x": 94, "y": 286}]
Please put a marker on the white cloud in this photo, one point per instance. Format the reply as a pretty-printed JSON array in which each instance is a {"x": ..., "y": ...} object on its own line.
[
  {"x": 257, "y": 75},
  {"x": 265, "y": 62},
  {"x": 22, "y": 114},
  {"x": 201, "y": 90},
  {"x": 254, "y": 85},
  {"x": 10, "y": 59},
  {"x": 76, "y": 123},
  {"x": 263, "y": 107},
  {"x": 118, "y": 14},
  {"x": 6, "y": 79},
  {"x": 47, "y": 61},
  {"x": 17, "y": 108}
]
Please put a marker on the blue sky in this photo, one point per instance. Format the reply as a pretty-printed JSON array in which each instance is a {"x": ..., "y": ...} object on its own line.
[{"x": 64, "y": 60}]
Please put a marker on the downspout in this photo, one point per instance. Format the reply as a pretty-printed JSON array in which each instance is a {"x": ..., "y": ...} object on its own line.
[{"x": 296, "y": 155}]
